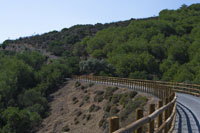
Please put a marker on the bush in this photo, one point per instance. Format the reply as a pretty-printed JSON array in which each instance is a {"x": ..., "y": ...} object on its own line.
[
  {"x": 131, "y": 106},
  {"x": 81, "y": 104},
  {"x": 114, "y": 110},
  {"x": 76, "y": 122},
  {"x": 107, "y": 107},
  {"x": 90, "y": 84},
  {"x": 93, "y": 65},
  {"x": 78, "y": 113},
  {"x": 140, "y": 101},
  {"x": 125, "y": 98},
  {"x": 77, "y": 84},
  {"x": 132, "y": 94},
  {"x": 83, "y": 87},
  {"x": 94, "y": 108},
  {"x": 109, "y": 92},
  {"x": 86, "y": 98},
  {"x": 84, "y": 116},
  {"x": 75, "y": 100},
  {"x": 88, "y": 117},
  {"x": 102, "y": 123},
  {"x": 85, "y": 91},
  {"x": 97, "y": 108},
  {"x": 66, "y": 128},
  {"x": 99, "y": 96},
  {"x": 115, "y": 98},
  {"x": 98, "y": 92}
]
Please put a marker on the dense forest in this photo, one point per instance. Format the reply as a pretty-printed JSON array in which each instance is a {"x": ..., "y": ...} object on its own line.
[
  {"x": 25, "y": 84},
  {"x": 166, "y": 48}
]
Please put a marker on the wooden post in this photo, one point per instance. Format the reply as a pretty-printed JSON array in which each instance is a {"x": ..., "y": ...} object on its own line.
[
  {"x": 160, "y": 104},
  {"x": 113, "y": 124},
  {"x": 139, "y": 115},
  {"x": 151, "y": 124},
  {"x": 170, "y": 110},
  {"x": 166, "y": 114}
]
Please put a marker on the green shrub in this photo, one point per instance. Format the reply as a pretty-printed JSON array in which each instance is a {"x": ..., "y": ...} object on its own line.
[
  {"x": 131, "y": 106},
  {"x": 102, "y": 123},
  {"x": 66, "y": 128},
  {"x": 77, "y": 84},
  {"x": 114, "y": 110},
  {"x": 75, "y": 100},
  {"x": 90, "y": 84},
  {"x": 85, "y": 91},
  {"x": 115, "y": 98},
  {"x": 109, "y": 92},
  {"x": 94, "y": 108},
  {"x": 84, "y": 116},
  {"x": 76, "y": 122},
  {"x": 140, "y": 101},
  {"x": 78, "y": 113},
  {"x": 132, "y": 94},
  {"x": 125, "y": 98},
  {"x": 86, "y": 98},
  {"x": 81, "y": 104},
  {"x": 107, "y": 107},
  {"x": 83, "y": 87},
  {"x": 99, "y": 96},
  {"x": 99, "y": 92},
  {"x": 97, "y": 108},
  {"x": 88, "y": 117}
]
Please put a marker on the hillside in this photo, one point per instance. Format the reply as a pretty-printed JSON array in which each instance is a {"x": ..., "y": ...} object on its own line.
[
  {"x": 160, "y": 48},
  {"x": 166, "y": 48},
  {"x": 91, "y": 109},
  {"x": 57, "y": 42}
]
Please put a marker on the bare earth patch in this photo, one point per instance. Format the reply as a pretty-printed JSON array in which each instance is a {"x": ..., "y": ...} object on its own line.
[{"x": 71, "y": 109}]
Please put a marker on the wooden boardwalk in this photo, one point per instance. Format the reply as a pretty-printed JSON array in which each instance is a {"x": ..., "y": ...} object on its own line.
[{"x": 187, "y": 114}]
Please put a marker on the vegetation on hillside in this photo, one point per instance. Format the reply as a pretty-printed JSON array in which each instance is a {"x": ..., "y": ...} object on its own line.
[
  {"x": 25, "y": 84},
  {"x": 166, "y": 48},
  {"x": 60, "y": 42}
]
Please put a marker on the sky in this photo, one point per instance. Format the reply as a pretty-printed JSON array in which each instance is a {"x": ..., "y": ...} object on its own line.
[{"x": 20, "y": 18}]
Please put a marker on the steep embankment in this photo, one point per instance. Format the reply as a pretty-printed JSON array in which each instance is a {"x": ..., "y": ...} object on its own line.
[{"x": 82, "y": 107}]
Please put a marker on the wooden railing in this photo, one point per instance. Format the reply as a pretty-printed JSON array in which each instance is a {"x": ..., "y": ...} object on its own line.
[{"x": 165, "y": 113}]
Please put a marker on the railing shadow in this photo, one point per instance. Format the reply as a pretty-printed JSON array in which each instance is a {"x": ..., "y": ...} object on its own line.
[{"x": 193, "y": 115}]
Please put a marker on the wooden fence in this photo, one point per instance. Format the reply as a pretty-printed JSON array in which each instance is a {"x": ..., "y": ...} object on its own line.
[{"x": 158, "y": 120}]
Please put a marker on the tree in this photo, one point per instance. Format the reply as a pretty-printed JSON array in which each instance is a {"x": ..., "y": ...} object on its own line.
[
  {"x": 95, "y": 66},
  {"x": 138, "y": 75},
  {"x": 169, "y": 74},
  {"x": 184, "y": 74},
  {"x": 178, "y": 52},
  {"x": 19, "y": 121}
]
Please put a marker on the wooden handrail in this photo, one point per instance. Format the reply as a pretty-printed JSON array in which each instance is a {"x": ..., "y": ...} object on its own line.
[
  {"x": 179, "y": 87},
  {"x": 133, "y": 126},
  {"x": 161, "y": 89}
]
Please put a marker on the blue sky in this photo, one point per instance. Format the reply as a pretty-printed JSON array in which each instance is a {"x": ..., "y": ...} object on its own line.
[{"x": 19, "y": 18}]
